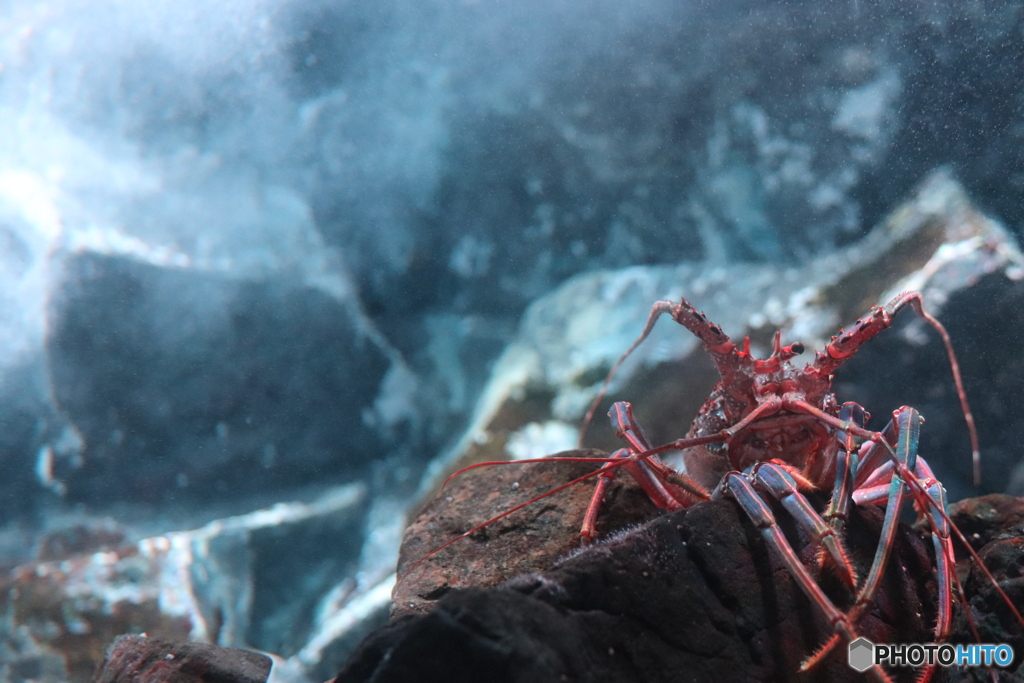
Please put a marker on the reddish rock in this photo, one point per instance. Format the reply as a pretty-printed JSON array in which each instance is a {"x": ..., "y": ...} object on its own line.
[
  {"x": 138, "y": 659},
  {"x": 530, "y": 540}
]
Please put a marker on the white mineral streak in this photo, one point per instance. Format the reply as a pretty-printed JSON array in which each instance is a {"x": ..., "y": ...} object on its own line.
[
  {"x": 177, "y": 590},
  {"x": 343, "y": 620},
  {"x": 538, "y": 439},
  {"x": 44, "y": 469},
  {"x": 863, "y": 111}
]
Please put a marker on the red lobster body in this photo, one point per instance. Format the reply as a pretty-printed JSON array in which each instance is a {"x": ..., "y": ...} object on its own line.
[
  {"x": 769, "y": 430},
  {"x": 797, "y": 439},
  {"x": 765, "y": 409}
]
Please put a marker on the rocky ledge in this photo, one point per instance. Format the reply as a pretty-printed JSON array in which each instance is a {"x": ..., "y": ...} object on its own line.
[{"x": 692, "y": 595}]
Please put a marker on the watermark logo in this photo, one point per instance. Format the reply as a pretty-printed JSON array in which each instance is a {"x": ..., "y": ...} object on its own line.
[{"x": 864, "y": 654}]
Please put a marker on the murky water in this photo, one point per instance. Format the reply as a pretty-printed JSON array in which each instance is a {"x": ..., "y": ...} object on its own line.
[{"x": 311, "y": 253}]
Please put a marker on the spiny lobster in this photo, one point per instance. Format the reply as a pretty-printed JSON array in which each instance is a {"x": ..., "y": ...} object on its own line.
[{"x": 770, "y": 429}]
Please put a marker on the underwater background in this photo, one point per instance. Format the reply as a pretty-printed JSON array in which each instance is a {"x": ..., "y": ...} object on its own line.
[{"x": 263, "y": 264}]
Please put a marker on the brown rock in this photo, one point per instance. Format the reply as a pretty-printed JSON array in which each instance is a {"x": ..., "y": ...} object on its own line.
[
  {"x": 138, "y": 659},
  {"x": 530, "y": 540}
]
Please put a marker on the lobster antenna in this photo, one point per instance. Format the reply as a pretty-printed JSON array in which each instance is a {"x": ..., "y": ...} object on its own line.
[
  {"x": 714, "y": 339},
  {"x": 608, "y": 466},
  {"x": 651, "y": 319},
  {"x": 525, "y": 461},
  {"x": 960, "y": 392}
]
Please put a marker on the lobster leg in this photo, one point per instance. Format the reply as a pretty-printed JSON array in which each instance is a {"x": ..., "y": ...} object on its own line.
[
  {"x": 679, "y": 487},
  {"x": 945, "y": 559},
  {"x": 907, "y": 422},
  {"x": 878, "y": 479},
  {"x": 902, "y": 470},
  {"x": 666, "y": 488},
  {"x": 846, "y": 464},
  {"x": 926, "y": 484},
  {"x": 646, "y": 471},
  {"x": 736, "y": 486},
  {"x": 903, "y": 431},
  {"x": 838, "y": 505},
  {"x": 783, "y": 487},
  {"x": 587, "y": 531},
  {"x": 626, "y": 426},
  {"x": 875, "y": 457}
]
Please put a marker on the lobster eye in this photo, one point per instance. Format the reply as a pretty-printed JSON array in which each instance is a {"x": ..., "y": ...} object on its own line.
[{"x": 797, "y": 348}]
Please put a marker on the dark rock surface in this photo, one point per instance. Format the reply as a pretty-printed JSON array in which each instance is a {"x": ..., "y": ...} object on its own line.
[
  {"x": 693, "y": 595},
  {"x": 138, "y": 659},
  {"x": 185, "y": 386},
  {"x": 994, "y": 526}
]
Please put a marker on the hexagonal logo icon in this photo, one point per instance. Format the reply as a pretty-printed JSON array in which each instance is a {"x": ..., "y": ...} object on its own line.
[{"x": 862, "y": 654}]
